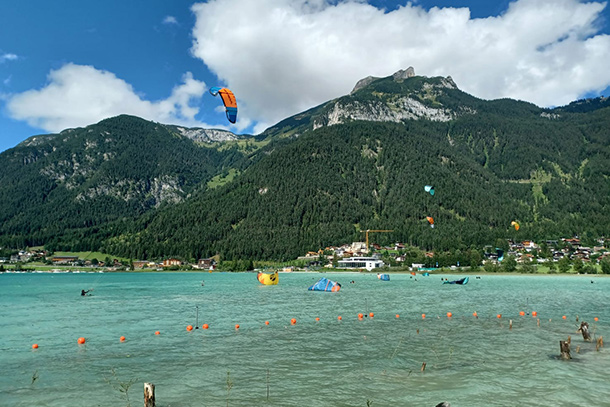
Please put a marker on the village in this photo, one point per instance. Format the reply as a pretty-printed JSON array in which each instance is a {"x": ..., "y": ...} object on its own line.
[{"x": 357, "y": 255}]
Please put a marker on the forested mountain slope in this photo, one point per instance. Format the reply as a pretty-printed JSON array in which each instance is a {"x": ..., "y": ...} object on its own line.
[
  {"x": 74, "y": 188},
  {"x": 320, "y": 177}
]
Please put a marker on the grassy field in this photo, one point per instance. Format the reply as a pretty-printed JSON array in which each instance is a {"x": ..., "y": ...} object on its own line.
[{"x": 92, "y": 255}]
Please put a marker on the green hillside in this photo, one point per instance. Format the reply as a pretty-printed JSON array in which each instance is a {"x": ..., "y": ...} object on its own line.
[{"x": 317, "y": 179}]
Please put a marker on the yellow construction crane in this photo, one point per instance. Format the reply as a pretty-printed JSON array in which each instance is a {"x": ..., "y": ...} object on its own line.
[{"x": 372, "y": 230}]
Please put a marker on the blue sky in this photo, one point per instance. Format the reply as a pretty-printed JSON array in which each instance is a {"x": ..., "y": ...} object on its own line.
[{"x": 70, "y": 63}]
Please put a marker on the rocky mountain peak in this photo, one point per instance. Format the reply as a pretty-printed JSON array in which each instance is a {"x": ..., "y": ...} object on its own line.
[{"x": 400, "y": 75}]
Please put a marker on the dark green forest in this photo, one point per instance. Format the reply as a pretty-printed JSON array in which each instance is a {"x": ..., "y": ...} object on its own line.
[{"x": 137, "y": 189}]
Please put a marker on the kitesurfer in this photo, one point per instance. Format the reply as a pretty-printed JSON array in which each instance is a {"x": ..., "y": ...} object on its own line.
[{"x": 83, "y": 292}]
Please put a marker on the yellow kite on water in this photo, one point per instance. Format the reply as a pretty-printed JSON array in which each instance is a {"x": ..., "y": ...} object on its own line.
[{"x": 268, "y": 279}]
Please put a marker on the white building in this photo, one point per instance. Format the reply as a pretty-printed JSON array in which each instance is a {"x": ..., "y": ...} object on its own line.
[{"x": 368, "y": 263}]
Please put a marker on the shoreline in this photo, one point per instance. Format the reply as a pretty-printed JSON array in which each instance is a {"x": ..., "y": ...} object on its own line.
[{"x": 341, "y": 271}]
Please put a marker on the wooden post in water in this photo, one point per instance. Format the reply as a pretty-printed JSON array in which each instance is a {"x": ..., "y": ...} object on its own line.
[
  {"x": 149, "y": 395},
  {"x": 564, "y": 347},
  {"x": 600, "y": 343},
  {"x": 538, "y": 321},
  {"x": 510, "y": 324},
  {"x": 584, "y": 330},
  {"x": 423, "y": 366}
]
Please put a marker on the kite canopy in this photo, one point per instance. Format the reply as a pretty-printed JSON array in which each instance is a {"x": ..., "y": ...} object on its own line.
[
  {"x": 268, "y": 279},
  {"x": 500, "y": 254},
  {"x": 429, "y": 189},
  {"x": 383, "y": 277},
  {"x": 325, "y": 284},
  {"x": 430, "y": 221},
  {"x": 228, "y": 98},
  {"x": 515, "y": 225}
]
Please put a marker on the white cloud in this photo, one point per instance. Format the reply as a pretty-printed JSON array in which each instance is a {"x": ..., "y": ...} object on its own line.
[
  {"x": 8, "y": 57},
  {"x": 170, "y": 20},
  {"x": 78, "y": 95},
  {"x": 283, "y": 56}
]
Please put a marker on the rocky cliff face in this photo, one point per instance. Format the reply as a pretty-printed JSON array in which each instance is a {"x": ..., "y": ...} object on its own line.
[
  {"x": 421, "y": 103},
  {"x": 206, "y": 135},
  {"x": 402, "y": 74}
]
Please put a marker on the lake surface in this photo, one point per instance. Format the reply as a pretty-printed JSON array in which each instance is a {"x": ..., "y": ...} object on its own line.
[{"x": 469, "y": 361}]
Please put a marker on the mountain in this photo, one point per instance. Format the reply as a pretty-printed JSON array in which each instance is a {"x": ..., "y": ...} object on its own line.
[
  {"x": 64, "y": 188},
  {"x": 318, "y": 178}
]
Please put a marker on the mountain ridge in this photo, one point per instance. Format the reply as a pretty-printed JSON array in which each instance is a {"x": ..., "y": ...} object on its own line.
[{"x": 144, "y": 190}]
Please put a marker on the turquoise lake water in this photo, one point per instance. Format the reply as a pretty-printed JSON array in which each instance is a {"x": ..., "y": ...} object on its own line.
[{"x": 469, "y": 361}]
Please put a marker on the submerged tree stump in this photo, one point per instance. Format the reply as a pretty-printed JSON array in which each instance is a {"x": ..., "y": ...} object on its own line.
[
  {"x": 584, "y": 330},
  {"x": 149, "y": 395},
  {"x": 564, "y": 347}
]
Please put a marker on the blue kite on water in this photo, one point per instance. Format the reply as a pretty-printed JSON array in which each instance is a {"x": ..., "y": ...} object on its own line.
[
  {"x": 325, "y": 284},
  {"x": 383, "y": 277}
]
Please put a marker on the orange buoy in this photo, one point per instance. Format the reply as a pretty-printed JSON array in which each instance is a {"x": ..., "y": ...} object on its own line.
[
  {"x": 189, "y": 328},
  {"x": 122, "y": 339},
  {"x": 423, "y": 316},
  {"x": 522, "y": 313},
  {"x": 81, "y": 340},
  {"x": 499, "y": 316},
  {"x": 293, "y": 321},
  {"x": 564, "y": 317},
  {"x": 236, "y": 326},
  {"x": 157, "y": 333},
  {"x": 596, "y": 319},
  {"x": 474, "y": 314},
  {"x": 360, "y": 316},
  {"x": 317, "y": 319},
  {"x": 534, "y": 313},
  {"x": 35, "y": 346},
  {"x": 449, "y": 315},
  {"x": 371, "y": 315},
  {"x": 397, "y": 316},
  {"x": 266, "y": 322},
  {"x": 339, "y": 317},
  {"x": 205, "y": 326}
]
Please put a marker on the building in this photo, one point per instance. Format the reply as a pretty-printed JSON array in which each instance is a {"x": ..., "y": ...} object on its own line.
[
  {"x": 171, "y": 262},
  {"x": 368, "y": 263},
  {"x": 206, "y": 264},
  {"x": 64, "y": 259}
]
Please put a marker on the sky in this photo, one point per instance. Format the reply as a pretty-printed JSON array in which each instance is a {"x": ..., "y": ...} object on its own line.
[{"x": 71, "y": 63}]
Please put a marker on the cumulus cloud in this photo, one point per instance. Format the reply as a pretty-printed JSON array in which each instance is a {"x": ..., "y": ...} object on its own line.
[
  {"x": 8, "y": 57},
  {"x": 283, "y": 56},
  {"x": 170, "y": 20},
  {"x": 78, "y": 95}
]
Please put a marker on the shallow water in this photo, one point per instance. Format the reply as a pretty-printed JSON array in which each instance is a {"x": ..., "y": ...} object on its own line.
[{"x": 469, "y": 361}]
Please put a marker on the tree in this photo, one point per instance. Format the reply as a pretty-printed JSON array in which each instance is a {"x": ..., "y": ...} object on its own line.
[
  {"x": 605, "y": 263},
  {"x": 509, "y": 264},
  {"x": 490, "y": 267},
  {"x": 564, "y": 264},
  {"x": 578, "y": 266},
  {"x": 552, "y": 267}
]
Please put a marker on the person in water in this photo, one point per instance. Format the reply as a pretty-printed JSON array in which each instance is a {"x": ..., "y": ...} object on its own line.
[{"x": 83, "y": 292}]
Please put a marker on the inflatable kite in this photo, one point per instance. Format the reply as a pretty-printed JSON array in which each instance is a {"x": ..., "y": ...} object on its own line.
[
  {"x": 268, "y": 279},
  {"x": 325, "y": 284},
  {"x": 429, "y": 189},
  {"x": 383, "y": 277},
  {"x": 430, "y": 221},
  {"x": 228, "y": 98},
  {"x": 500, "y": 254},
  {"x": 515, "y": 225}
]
